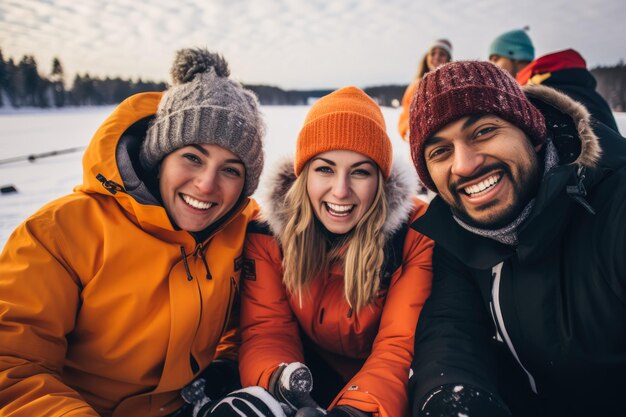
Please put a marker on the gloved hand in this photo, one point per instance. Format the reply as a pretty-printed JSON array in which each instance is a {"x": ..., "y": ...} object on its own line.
[
  {"x": 218, "y": 379},
  {"x": 452, "y": 400},
  {"x": 292, "y": 384},
  {"x": 338, "y": 411},
  {"x": 247, "y": 402}
]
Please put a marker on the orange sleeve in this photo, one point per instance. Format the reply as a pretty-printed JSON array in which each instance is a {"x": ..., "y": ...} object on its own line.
[
  {"x": 38, "y": 305},
  {"x": 269, "y": 330},
  {"x": 380, "y": 387},
  {"x": 403, "y": 122}
]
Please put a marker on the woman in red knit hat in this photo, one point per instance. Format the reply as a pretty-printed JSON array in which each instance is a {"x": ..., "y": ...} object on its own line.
[{"x": 334, "y": 276}]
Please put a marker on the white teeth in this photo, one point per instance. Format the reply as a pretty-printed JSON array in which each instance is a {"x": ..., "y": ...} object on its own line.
[
  {"x": 202, "y": 205},
  {"x": 340, "y": 209},
  {"x": 483, "y": 185}
]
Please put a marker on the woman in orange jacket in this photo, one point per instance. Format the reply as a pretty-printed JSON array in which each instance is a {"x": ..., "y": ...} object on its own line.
[
  {"x": 335, "y": 277},
  {"x": 439, "y": 53},
  {"x": 116, "y": 296}
]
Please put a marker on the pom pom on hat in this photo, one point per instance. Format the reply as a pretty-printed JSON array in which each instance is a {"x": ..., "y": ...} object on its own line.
[
  {"x": 189, "y": 62},
  {"x": 205, "y": 107}
]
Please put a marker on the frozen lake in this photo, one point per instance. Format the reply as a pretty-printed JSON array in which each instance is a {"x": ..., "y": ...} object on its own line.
[{"x": 36, "y": 131}]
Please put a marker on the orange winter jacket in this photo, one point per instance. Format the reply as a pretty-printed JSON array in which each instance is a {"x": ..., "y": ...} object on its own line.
[
  {"x": 403, "y": 122},
  {"x": 105, "y": 308},
  {"x": 379, "y": 337}
]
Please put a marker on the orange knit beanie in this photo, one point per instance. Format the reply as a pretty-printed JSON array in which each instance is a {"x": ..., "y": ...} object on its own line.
[{"x": 346, "y": 119}]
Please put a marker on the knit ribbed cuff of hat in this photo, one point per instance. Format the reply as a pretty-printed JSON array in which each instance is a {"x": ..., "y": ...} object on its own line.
[
  {"x": 344, "y": 131},
  {"x": 188, "y": 126}
]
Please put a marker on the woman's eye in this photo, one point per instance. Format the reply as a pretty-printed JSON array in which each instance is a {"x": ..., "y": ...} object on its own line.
[
  {"x": 232, "y": 171},
  {"x": 324, "y": 170},
  {"x": 192, "y": 157},
  {"x": 361, "y": 172}
]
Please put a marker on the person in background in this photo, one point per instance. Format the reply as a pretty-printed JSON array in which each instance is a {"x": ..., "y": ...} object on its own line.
[
  {"x": 527, "y": 315},
  {"x": 564, "y": 70},
  {"x": 335, "y": 276},
  {"x": 512, "y": 51},
  {"x": 438, "y": 54},
  {"x": 118, "y": 295}
]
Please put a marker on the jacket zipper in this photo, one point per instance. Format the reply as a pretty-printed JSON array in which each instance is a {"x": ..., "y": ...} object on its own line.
[
  {"x": 495, "y": 296},
  {"x": 233, "y": 285}
]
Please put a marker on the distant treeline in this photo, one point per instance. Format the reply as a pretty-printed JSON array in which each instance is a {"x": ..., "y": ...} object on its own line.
[
  {"x": 23, "y": 85},
  {"x": 612, "y": 85}
]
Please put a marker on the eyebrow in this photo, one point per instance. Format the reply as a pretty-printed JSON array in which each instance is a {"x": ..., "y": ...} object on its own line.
[
  {"x": 469, "y": 122},
  {"x": 329, "y": 162},
  {"x": 204, "y": 152}
]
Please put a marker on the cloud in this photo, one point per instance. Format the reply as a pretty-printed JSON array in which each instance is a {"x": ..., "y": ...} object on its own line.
[{"x": 296, "y": 43}]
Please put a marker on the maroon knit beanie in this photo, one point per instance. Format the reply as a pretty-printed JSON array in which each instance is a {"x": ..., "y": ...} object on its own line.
[{"x": 463, "y": 88}]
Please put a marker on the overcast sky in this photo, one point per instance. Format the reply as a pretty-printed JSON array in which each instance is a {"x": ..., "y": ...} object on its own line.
[{"x": 297, "y": 44}]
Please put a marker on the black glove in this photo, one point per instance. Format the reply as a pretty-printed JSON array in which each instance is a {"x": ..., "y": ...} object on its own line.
[
  {"x": 217, "y": 380},
  {"x": 338, "y": 411},
  {"x": 248, "y": 402},
  {"x": 452, "y": 400},
  {"x": 292, "y": 384}
]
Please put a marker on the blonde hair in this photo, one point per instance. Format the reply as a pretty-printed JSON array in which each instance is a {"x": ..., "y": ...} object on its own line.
[{"x": 308, "y": 254}]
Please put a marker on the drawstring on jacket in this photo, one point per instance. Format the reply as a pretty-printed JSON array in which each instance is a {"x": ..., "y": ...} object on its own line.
[
  {"x": 189, "y": 276},
  {"x": 198, "y": 253}
]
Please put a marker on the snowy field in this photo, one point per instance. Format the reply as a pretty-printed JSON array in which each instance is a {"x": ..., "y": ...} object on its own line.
[{"x": 36, "y": 131}]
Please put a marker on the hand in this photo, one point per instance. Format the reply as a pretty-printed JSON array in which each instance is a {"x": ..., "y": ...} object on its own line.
[
  {"x": 452, "y": 400},
  {"x": 247, "y": 402},
  {"x": 217, "y": 380},
  {"x": 292, "y": 384}
]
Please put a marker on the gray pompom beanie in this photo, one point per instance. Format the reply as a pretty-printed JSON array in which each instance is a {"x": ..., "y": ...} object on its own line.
[{"x": 204, "y": 106}]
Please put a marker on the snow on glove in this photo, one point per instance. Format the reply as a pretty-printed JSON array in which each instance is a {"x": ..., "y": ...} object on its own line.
[
  {"x": 453, "y": 400},
  {"x": 247, "y": 402},
  {"x": 292, "y": 384}
]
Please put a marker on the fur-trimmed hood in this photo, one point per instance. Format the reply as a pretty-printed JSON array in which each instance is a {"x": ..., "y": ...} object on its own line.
[
  {"x": 400, "y": 187},
  {"x": 542, "y": 96}
]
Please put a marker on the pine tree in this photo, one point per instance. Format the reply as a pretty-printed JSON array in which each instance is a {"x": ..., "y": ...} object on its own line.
[{"x": 57, "y": 78}]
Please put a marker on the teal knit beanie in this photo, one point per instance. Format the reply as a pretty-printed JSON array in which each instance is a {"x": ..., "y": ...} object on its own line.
[{"x": 515, "y": 44}]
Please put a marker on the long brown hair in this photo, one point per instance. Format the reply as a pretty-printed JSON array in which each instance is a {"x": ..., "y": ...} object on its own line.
[{"x": 307, "y": 253}]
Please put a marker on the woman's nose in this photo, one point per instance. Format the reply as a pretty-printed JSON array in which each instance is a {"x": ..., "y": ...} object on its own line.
[
  {"x": 206, "y": 182},
  {"x": 341, "y": 187}
]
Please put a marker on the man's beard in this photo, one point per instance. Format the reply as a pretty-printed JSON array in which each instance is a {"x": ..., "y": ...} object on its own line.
[{"x": 524, "y": 190}]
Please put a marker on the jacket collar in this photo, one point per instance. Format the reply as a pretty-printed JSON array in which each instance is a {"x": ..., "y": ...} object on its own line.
[{"x": 399, "y": 187}]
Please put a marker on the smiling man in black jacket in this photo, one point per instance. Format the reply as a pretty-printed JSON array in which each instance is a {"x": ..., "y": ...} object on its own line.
[{"x": 527, "y": 315}]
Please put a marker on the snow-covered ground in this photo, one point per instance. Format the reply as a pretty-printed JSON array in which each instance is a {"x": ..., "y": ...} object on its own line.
[
  {"x": 33, "y": 132},
  {"x": 36, "y": 131}
]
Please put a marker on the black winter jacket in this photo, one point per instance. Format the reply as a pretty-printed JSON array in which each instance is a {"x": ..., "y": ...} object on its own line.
[{"x": 540, "y": 326}]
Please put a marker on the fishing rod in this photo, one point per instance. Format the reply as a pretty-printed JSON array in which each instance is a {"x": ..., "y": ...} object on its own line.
[{"x": 34, "y": 156}]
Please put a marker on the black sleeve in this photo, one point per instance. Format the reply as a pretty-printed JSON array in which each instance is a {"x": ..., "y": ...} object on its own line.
[{"x": 453, "y": 339}]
